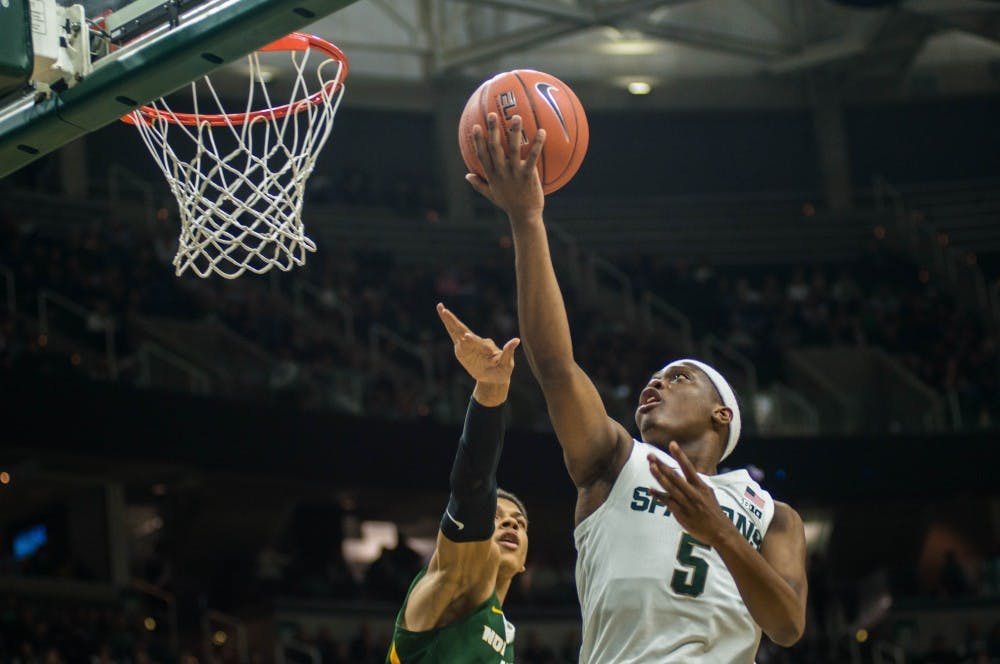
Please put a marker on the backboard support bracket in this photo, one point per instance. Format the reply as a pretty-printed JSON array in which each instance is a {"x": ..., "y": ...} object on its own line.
[
  {"x": 134, "y": 17},
  {"x": 152, "y": 66}
]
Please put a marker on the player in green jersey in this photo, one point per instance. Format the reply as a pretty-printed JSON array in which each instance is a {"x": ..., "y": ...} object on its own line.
[{"x": 453, "y": 612}]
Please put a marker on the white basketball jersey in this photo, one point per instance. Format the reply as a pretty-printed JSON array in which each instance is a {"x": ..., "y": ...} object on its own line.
[{"x": 649, "y": 592}]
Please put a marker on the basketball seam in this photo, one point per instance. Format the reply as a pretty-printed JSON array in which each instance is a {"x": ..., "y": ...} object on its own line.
[
  {"x": 576, "y": 135},
  {"x": 482, "y": 109},
  {"x": 576, "y": 125},
  {"x": 534, "y": 113}
]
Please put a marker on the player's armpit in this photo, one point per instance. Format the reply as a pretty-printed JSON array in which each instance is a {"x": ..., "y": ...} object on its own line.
[
  {"x": 459, "y": 575},
  {"x": 594, "y": 445}
]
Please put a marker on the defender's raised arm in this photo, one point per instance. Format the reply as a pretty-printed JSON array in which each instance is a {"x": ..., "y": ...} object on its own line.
[{"x": 463, "y": 571}]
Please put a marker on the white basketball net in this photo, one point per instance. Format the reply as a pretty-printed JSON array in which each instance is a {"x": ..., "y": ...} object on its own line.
[{"x": 240, "y": 185}]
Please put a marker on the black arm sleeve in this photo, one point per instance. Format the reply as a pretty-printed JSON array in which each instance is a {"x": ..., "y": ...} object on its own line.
[{"x": 472, "y": 505}]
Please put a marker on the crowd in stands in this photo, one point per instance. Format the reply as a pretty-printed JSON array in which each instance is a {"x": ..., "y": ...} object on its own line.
[
  {"x": 879, "y": 300},
  {"x": 114, "y": 273},
  {"x": 46, "y": 632},
  {"x": 34, "y": 631},
  {"x": 369, "y": 647},
  {"x": 307, "y": 560},
  {"x": 407, "y": 196},
  {"x": 116, "y": 270}
]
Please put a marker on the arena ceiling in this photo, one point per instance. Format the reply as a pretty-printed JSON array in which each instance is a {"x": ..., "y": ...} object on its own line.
[{"x": 690, "y": 52}]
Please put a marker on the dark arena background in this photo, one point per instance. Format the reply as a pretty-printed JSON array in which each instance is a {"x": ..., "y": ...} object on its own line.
[{"x": 804, "y": 193}]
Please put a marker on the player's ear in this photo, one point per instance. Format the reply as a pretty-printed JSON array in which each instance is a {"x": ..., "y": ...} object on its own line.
[{"x": 722, "y": 415}]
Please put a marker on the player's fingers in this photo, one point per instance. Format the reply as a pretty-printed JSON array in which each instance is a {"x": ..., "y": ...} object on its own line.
[
  {"x": 480, "y": 185},
  {"x": 507, "y": 354},
  {"x": 669, "y": 479},
  {"x": 474, "y": 341},
  {"x": 479, "y": 141},
  {"x": 676, "y": 507},
  {"x": 494, "y": 141},
  {"x": 487, "y": 348},
  {"x": 690, "y": 473},
  {"x": 665, "y": 478},
  {"x": 535, "y": 151},
  {"x": 448, "y": 320},
  {"x": 514, "y": 140},
  {"x": 455, "y": 327}
]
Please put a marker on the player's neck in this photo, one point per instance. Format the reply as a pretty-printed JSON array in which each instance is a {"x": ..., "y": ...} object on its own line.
[
  {"x": 702, "y": 452},
  {"x": 503, "y": 585}
]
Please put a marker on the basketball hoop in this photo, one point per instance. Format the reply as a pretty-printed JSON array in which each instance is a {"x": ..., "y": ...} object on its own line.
[{"x": 239, "y": 178}]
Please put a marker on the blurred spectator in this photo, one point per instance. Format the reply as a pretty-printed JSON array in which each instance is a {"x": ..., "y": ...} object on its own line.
[
  {"x": 390, "y": 576},
  {"x": 954, "y": 580},
  {"x": 940, "y": 652},
  {"x": 532, "y": 650}
]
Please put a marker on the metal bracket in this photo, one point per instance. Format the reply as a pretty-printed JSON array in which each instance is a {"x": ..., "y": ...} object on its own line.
[{"x": 143, "y": 15}]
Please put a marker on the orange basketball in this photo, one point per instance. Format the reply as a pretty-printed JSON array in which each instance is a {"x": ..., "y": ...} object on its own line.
[{"x": 541, "y": 101}]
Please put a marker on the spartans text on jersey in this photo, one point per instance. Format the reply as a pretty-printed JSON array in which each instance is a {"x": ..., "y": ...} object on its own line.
[{"x": 643, "y": 501}]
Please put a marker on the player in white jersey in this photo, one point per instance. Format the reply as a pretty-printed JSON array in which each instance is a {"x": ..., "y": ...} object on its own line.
[{"x": 676, "y": 562}]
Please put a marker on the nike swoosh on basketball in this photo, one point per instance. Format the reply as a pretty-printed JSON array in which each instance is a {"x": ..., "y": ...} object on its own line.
[
  {"x": 545, "y": 90},
  {"x": 459, "y": 524}
]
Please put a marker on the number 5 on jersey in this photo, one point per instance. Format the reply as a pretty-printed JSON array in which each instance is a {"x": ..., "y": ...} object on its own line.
[{"x": 690, "y": 579}]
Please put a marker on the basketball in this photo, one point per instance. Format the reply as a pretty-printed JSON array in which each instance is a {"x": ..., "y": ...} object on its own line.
[{"x": 542, "y": 101}]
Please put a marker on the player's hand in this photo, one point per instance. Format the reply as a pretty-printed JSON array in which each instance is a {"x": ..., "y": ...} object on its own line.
[
  {"x": 689, "y": 498},
  {"x": 511, "y": 183},
  {"x": 484, "y": 361}
]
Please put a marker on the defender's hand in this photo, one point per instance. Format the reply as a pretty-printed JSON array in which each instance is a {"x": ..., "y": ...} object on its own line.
[
  {"x": 484, "y": 361},
  {"x": 690, "y": 499},
  {"x": 511, "y": 183}
]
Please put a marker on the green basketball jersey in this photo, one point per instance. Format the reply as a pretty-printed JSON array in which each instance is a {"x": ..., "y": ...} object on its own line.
[{"x": 482, "y": 637}]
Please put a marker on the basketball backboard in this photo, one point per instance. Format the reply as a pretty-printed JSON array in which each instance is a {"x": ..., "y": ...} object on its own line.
[{"x": 98, "y": 60}]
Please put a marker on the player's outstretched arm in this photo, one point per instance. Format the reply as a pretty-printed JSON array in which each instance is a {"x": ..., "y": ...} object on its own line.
[
  {"x": 594, "y": 446},
  {"x": 771, "y": 582},
  {"x": 463, "y": 569}
]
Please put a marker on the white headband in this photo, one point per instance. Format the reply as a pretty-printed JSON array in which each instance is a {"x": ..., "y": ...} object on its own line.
[{"x": 728, "y": 400}]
